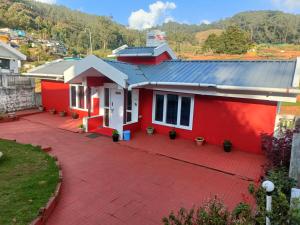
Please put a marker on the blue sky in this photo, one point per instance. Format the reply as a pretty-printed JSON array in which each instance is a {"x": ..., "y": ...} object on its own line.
[{"x": 187, "y": 11}]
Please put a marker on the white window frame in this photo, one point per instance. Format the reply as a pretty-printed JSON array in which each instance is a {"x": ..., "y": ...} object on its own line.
[
  {"x": 127, "y": 110},
  {"x": 77, "y": 97},
  {"x": 177, "y": 125}
]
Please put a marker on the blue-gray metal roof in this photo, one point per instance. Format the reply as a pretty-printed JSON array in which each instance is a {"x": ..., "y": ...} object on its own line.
[
  {"x": 55, "y": 67},
  {"x": 136, "y": 51},
  {"x": 274, "y": 74}
]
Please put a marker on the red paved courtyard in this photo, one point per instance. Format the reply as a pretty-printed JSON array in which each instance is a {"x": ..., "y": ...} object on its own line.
[{"x": 112, "y": 183}]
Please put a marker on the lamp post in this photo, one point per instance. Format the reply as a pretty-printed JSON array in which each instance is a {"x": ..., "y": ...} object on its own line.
[{"x": 269, "y": 187}]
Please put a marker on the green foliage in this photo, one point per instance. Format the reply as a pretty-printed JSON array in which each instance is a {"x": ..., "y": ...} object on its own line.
[
  {"x": 281, "y": 212},
  {"x": 212, "y": 213},
  {"x": 28, "y": 178},
  {"x": 232, "y": 41}
]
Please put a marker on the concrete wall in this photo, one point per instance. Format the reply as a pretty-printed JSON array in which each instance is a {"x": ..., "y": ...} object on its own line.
[
  {"x": 16, "y": 98},
  {"x": 16, "y": 94}
]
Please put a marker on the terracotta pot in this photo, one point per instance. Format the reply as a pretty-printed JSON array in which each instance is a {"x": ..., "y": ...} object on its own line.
[
  {"x": 200, "y": 141},
  {"x": 81, "y": 130}
]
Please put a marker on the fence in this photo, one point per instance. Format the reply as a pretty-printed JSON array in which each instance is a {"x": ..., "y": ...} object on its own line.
[{"x": 15, "y": 81}]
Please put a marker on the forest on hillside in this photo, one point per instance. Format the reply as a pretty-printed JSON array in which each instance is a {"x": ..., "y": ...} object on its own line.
[{"x": 72, "y": 27}]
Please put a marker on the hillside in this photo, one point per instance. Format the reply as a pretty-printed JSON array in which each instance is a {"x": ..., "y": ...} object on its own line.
[{"x": 71, "y": 27}]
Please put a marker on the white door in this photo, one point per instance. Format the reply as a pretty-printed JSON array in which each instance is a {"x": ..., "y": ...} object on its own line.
[{"x": 116, "y": 109}]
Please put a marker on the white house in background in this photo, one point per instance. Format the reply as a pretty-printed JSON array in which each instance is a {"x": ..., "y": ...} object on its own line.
[{"x": 10, "y": 59}]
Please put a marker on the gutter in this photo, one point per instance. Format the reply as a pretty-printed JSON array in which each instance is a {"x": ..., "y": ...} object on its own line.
[
  {"x": 221, "y": 87},
  {"x": 45, "y": 76}
]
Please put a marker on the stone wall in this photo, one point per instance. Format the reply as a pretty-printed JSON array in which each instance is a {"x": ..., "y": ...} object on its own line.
[{"x": 16, "y": 97}]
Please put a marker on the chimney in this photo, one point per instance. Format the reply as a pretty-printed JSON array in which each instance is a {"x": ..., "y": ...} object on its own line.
[{"x": 155, "y": 38}]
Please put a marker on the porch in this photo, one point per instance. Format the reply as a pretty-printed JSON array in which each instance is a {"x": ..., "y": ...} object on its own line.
[{"x": 247, "y": 166}]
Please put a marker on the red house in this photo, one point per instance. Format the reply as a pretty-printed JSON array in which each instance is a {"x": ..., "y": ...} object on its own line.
[{"x": 148, "y": 86}]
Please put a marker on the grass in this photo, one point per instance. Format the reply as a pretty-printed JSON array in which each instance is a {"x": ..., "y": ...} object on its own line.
[{"x": 28, "y": 178}]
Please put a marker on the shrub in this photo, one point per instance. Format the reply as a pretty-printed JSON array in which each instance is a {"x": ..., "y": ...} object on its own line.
[
  {"x": 278, "y": 149},
  {"x": 212, "y": 213}
]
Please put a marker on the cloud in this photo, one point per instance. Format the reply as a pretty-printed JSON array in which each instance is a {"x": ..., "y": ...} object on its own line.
[
  {"x": 158, "y": 12},
  {"x": 205, "y": 22},
  {"x": 290, "y": 5},
  {"x": 47, "y": 1}
]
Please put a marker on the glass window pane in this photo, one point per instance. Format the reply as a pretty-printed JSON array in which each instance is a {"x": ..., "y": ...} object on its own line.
[
  {"x": 106, "y": 117},
  {"x": 4, "y": 63},
  {"x": 185, "y": 111},
  {"x": 73, "y": 96},
  {"x": 172, "y": 109},
  {"x": 159, "y": 108},
  {"x": 106, "y": 97},
  {"x": 129, "y": 100},
  {"x": 128, "y": 117},
  {"x": 81, "y": 96}
]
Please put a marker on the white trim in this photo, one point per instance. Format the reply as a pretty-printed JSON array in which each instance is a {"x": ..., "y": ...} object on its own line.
[
  {"x": 77, "y": 97},
  {"x": 45, "y": 76},
  {"x": 296, "y": 80},
  {"x": 156, "y": 52},
  {"x": 230, "y": 95},
  {"x": 177, "y": 125},
  {"x": 15, "y": 52}
]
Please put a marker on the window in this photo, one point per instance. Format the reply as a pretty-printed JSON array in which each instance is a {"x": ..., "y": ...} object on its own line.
[
  {"x": 128, "y": 107},
  {"x": 73, "y": 96},
  {"x": 173, "y": 110},
  {"x": 4, "y": 64},
  {"x": 78, "y": 97}
]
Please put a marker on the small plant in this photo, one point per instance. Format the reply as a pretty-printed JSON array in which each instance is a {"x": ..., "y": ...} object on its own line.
[
  {"x": 75, "y": 115},
  {"x": 63, "y": 113},
  {"x": 172, "y": 134},
  {"x": 199, "y": 141},
  {"x": 150, "y": 130},
  {"x": 41, "y": 108},
  {"x": 227, "y": 146},
  {"x": 81, "y": 128},
  {"x": 52, "y": 111},
  {"x": 115, "y": 135}
]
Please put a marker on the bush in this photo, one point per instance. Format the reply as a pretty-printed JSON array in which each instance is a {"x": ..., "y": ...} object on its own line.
[
  {"x": 281, "y": 211},
  {"x": 212, "y": 213},
  {"x": 278, "y": 149}
]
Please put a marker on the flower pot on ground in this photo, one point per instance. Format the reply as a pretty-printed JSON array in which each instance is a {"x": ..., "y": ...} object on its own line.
[
  {"x": 172, "y": 134},
  {"x": 200, "y": 141},
  {"x": 227, "y": 146},
  {"x": 75, "y": 115},
  {"x": 81, "y": 128},
  {"x": 41, "y": 108},
  {"x": 150, "y": 130},
  {"x": 52, "y": 111},
  {"x": 115, "y": 136},
  {"x": 63, "y": 113}
]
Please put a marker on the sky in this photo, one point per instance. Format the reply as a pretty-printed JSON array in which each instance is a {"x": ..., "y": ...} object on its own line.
[{"x": 143, "y": 14}]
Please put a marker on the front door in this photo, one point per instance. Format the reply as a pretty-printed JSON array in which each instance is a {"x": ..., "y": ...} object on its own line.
[{"x": 113, "y": 108}]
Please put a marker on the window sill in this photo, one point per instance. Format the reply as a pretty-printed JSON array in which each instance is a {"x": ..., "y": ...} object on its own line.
[
  {"x": 79, "y": 109},
  {"x": 129, "y": 123},
  {"x": 172, "y": 125}
]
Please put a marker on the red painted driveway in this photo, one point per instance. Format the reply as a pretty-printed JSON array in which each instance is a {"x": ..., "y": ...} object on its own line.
[{"x": 107, "y": 183}]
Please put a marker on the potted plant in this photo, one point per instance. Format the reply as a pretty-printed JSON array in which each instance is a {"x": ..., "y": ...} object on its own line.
[
  {"x": 75, "y": 115},
  {"x": 81, "y": 128},
  {"x": 41, "y": 108},
  {"x": 115, "y": 136},
  {"x": 150, "y": 130},
  {"x": 52, "y": 111},
  {"x": 227, "y": 145},
  {"x": 200, "y": 141},
  {"x": 172, "y": 134},
  {"x": 63, "y": 113}
]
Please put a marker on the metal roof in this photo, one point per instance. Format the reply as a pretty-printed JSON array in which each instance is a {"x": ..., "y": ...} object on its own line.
[
  {"x": 273, "y": 74},
  {"x": 57, "y": 67},
  {"x": 136, "y": 51}
]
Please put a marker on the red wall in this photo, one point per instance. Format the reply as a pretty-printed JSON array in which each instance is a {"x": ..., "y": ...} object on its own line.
[
  {"x": 145, "y": 60},
  {"x": 55, "y": 94},
  {"x": 216, "y": 119}
]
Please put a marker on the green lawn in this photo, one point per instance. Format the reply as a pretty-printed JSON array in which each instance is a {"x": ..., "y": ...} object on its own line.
[{"x": 28, "y": 177}]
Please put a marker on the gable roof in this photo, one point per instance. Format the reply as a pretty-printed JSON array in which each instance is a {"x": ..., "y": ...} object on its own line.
[
  {"x": 10, "y": 52},
  {"x": 125, "y": 51}
]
